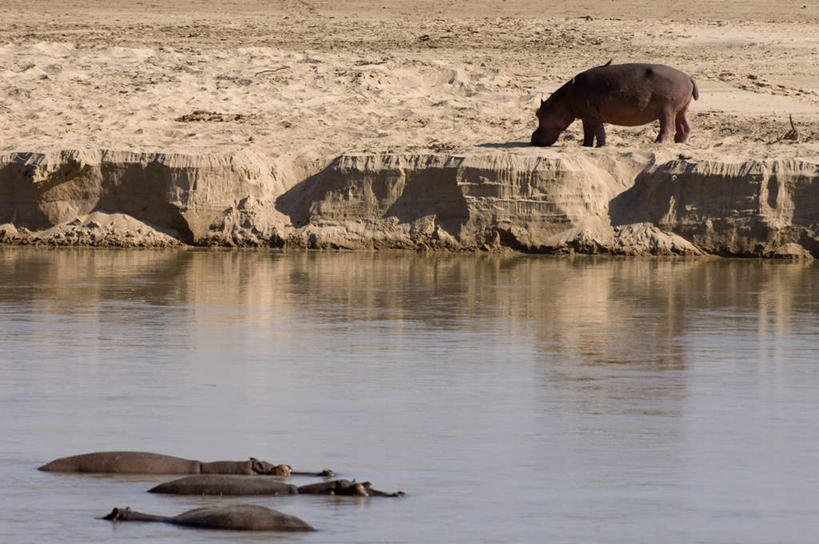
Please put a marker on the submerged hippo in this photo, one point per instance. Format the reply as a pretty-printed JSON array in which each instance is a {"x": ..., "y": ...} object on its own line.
[
  {"x": 244, "y": 517},
  {"x": 137, "y": 462},
  {"x": 223, "y": 484},
  {"x": 346, "y": 487},
  {"x": 620, "y": 94}
]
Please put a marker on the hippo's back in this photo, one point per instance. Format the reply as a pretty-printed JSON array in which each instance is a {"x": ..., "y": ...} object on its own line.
[
  {"x": 246, "y": 517},
  {"x": 123, "y": 462},
  {"x": 221, "y": 484},
  {"x": 636, "y": 73}
]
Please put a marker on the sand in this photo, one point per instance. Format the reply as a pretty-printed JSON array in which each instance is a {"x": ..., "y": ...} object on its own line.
[
  {"x": 318, "y": 78},
  {"x": 302, "y": 82}
]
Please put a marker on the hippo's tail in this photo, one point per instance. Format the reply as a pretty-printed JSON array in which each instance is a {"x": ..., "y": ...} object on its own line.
[{"x": 695, "y": 92}]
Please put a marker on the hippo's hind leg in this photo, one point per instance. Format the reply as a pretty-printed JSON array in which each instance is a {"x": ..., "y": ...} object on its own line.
[
  {"x": 666, "y": 125},
  {"x": 593, "y": 128},
  {"x": 682, "y": 126}
]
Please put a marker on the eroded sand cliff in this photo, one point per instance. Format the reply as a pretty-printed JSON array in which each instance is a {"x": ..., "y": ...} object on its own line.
[{"x": 534, "y": 200}]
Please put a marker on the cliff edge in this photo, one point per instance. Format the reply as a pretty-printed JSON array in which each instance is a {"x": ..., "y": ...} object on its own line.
[{"x": 544, "y": 201}]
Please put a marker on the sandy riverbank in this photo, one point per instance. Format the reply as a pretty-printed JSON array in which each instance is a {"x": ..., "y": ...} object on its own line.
[{"x": 299, "y": 84}]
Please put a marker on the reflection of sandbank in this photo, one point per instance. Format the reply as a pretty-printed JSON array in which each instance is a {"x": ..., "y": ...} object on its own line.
[{"x": 575, "y": 311}]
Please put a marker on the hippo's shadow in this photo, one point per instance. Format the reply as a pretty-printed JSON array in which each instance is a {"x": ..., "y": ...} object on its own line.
[
  {"x": 651, "y": 197},
  {"x": 505, "y": 145},
  {"x": 634, "y": 204}
]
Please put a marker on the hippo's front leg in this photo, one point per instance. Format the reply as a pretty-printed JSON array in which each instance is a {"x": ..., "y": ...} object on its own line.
[{"x": 593, "y": 128}]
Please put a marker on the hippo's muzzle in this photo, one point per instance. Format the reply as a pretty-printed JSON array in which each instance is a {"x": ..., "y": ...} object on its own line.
[{"x": 543, "y": 141}]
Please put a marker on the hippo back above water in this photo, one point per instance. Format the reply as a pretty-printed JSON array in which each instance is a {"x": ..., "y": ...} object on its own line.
[
  {"x": 225, "y": 484},
  {"x": 241, "y": 517},
  {"x": 140, "y": 462},
  {"x": 620, "y": 94}
]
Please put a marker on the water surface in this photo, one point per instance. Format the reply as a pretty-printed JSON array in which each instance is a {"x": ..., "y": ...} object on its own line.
[{"x": 514, "y": 399}]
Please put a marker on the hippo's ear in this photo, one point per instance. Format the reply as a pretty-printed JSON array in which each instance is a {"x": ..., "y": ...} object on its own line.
[
  {"x": 117, "y": 513},
  {"x": 542, "y": 102}
]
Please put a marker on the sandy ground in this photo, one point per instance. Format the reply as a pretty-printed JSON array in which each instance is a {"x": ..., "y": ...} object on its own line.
[{"x": 312, "y": 79}]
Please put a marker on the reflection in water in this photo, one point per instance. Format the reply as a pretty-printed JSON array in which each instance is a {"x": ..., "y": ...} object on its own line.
[{"x": 515, "y": 397}]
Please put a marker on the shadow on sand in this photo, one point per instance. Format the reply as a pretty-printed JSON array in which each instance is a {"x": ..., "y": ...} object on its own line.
[{"x": 505, "y": 145}]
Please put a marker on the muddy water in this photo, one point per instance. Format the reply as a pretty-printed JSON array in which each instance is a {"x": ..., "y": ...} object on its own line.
[{"x": 516, "y": 399}]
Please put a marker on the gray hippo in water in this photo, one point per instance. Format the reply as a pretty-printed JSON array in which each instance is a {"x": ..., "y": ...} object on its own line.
[
  {"x": 242, "y": 517},
  {"x": 620, "y": 94},
  {"x": 223, "y": 484},
  {"x": 137, "y": 462},
  {"x": 346, "y": 487}
]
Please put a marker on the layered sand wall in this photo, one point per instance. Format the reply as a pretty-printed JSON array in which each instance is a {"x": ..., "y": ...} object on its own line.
[{"x": 545, "y": 201}]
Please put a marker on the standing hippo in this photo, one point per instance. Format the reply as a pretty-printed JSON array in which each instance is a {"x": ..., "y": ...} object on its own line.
[
  {"x": 224, "y": 484},
  {"x": 137, "y": 462},
  {"x": 242, "y": 517},
  {"x": 620, "y": 94}
]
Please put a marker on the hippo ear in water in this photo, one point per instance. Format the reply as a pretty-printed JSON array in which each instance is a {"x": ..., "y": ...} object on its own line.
[
  {"x": 259, "y": 467},
  {"x": 116, "y": 514}
]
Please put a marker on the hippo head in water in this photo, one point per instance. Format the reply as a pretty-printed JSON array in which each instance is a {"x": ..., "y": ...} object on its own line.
[
  {"x": 553, "y": 117},
  {"x": 263, "y": 467}
]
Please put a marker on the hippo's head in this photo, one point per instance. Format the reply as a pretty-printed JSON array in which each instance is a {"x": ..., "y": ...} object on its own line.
[
  {"x": 553, "y": 117},
  {"x": 117, "y": 514},
  {"x": 358, "y": 490},
  {"x": 282, "y": 470},
  {"x": 263, "y": 467},
  {"x": 351, "y": 489}
]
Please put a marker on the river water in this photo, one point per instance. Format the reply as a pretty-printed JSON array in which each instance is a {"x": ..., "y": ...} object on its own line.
[{"x": 514, "y": 399}]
